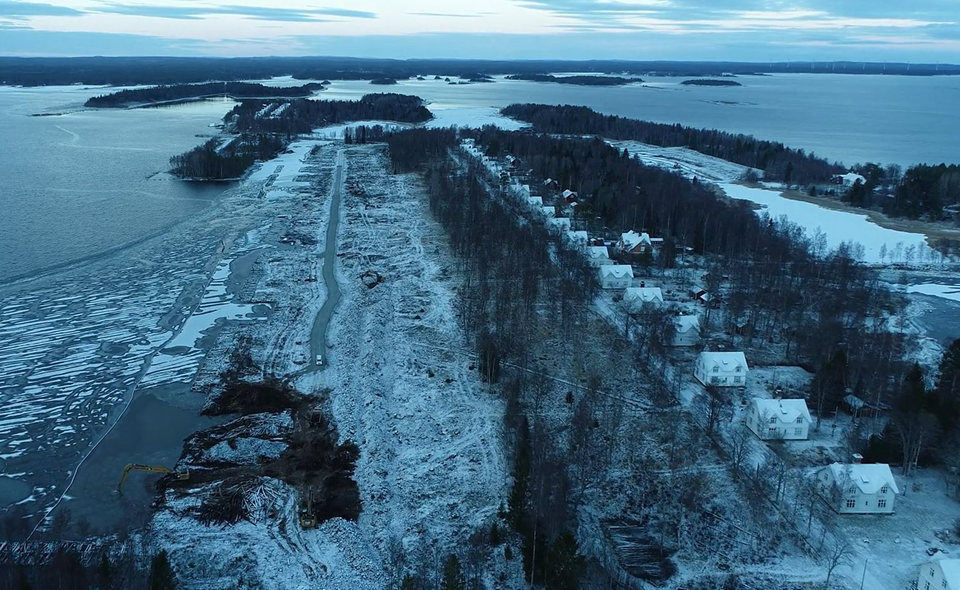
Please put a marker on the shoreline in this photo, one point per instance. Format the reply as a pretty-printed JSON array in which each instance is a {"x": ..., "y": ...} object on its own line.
[{"x": 932, "y": 230}]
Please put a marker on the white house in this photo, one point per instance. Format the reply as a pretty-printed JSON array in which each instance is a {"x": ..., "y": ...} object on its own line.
[
  {"x": 598, "y": 256},
  {"x": 721, "y": 369},
  {"x": 535, "y": 203},
  {"x": 569, "y": 196},
  {"x": 637, "y": 298},
  {"x": 548, "y": 211},
  {"x": 615, "y": 276},
  {"x": 779, "y": 419},
  {"x": 576, "y": 240},
  {"x": 686, "y": 330},
  {"x": 939, "y": 574},
  {"x": 558, "y": 225},
  {"x": 857, "y": 488}
]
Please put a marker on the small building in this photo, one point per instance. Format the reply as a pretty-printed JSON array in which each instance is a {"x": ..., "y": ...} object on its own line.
[
  {"x": 939, "y": 574},
  {"x": 512, "y": 162},
  {"x": 576, "y": 240},
  {"x": 535, "y": 203},
  {"x": 857, "y": 488},
  {"x": 779, "y": 419},
  {"x": 637, "y": 298},
  {"x": 686, "y": 330},
  {"x": 558, "y": 225},
  {"x": 721, "y": 369},
  {"x": 548, "y": 211},
  {"x": 597, "y": 256},
  {"x": 569, "y": 196},
  {"x": 615, "y": 276},
  {"x": 551, "y": 184}
]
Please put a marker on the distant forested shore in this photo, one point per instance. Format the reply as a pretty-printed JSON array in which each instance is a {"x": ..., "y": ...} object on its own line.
[
  {"x": 579, "y": 80},
  {"x": 777, "y": 161},
  {"x": 710, "y": 82},
  {"x": 929, "y": 192},
  {"x": 265, "y": 128},
  {"x": 131, "y": 71},
  {"x": 183, "y": 92}
]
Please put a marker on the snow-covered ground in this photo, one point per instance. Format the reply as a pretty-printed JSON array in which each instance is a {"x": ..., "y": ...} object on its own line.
[
  {"x": 951, "y": 292},
  {"x": 432, "y": 467},
  {"x": 837, "y": 226},
  {"x": 689, "y": 163}
]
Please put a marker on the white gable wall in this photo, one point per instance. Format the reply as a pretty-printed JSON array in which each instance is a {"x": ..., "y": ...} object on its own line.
[
  {"x": 853, "y": 500},
  {"x": 769, "y": 425},
  {"x": 933, "y": 574}
]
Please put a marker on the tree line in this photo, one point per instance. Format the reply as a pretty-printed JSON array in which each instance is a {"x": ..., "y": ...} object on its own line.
[
  {"x": 923, "y": 191},
  {"x": 213, "y": 161},
  {"x": 778, "y": 162},
  {"x": 237, "y": 90},
  {"x": 302, "y": 116},
  {"x": 265, "y": 128}
]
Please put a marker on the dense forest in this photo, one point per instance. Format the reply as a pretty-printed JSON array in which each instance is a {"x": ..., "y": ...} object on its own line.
[
  {"x": 302, "y": 116},
  {"x": 130, "y": 71},
  {"x": 265, "y": 128},
  {"x": 777, "y": 161},
  {"x": 177, "y": 92},
  {"x": 210, "y": 161},
  {"x": 577, "y": 80},
  {"x": 923, "y": 191}
]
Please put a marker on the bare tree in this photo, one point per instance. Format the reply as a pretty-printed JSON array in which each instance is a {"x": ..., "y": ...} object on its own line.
[
  {"x": 739, "y": 446},
  {"x": 841, "y": 554}
]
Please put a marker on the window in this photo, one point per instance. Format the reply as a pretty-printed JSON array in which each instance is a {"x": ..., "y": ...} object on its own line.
[
  {"x": 716, "y": 369},
  {"x": 773, "y": 420},
  {"x": 882, "y": 503},
  {"x": 883, "y": 490},
  {"x": 931, "y": 571},
  {"x": 737, "y": 379},
  {"x": 927, "y": 586},
  {"x": 943, "y": 583},
  {"x": 714, "y": 380},
  {"x": 851, "y": 503},
  {"x": 799, "y": 419},
  {"x": 798, "y": 431},
  {"x": 737, "y": 369}
]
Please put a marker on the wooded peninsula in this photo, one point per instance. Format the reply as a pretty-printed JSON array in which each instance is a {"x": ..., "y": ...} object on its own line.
[{"x": 188, "y": 92}]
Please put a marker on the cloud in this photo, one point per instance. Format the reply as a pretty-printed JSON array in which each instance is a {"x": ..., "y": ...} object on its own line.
[
  {"x": 23, "y": 10},
  {"x": 194, "y": 12}
]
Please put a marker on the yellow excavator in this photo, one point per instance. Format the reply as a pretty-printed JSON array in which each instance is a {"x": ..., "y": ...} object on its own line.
[
  {"x": 308, "y": 518},
  {"x": 180, "y": 475}
]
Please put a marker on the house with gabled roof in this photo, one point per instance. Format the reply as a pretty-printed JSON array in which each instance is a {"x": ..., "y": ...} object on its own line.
[
  {"x": 558, "y": 225},
  {"x": 597, "y": 256},
  {"x": 615, "y": 276},
  {"x": 778, "y": 419},
  {"x": 637, "y": 298},
  {"x": 939, "y": 574},
  {"x": 686, "y": 331},
  {"x": 721, "y": 369},
  {"x": 548, "y": 211},
  {"x": 576, "y": 240},
  {"x": 633, "y": 244},
  {"x": 858, "y": 488}
]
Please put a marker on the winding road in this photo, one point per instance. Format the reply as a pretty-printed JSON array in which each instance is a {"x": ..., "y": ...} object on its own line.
[{"x": 318, "y": 336}]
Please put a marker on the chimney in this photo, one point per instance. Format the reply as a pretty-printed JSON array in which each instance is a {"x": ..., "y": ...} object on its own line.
[{"x": 857, "y": 458}]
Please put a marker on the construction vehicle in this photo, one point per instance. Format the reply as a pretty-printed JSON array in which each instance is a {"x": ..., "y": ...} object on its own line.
[
  {"x": 179, "y": 475},
  {"x": 308, "y": 519}
]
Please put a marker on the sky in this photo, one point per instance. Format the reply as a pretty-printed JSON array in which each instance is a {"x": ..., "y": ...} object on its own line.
[{"x": 744, "y": 30}]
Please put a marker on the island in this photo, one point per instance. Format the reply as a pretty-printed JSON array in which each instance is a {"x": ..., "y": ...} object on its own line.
[
  {"x": 710, "y": 82},
  {"x": 580, "y": 80},
  {"x": 180, "y": 93},
  {"x": 383, "y": 81}
]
